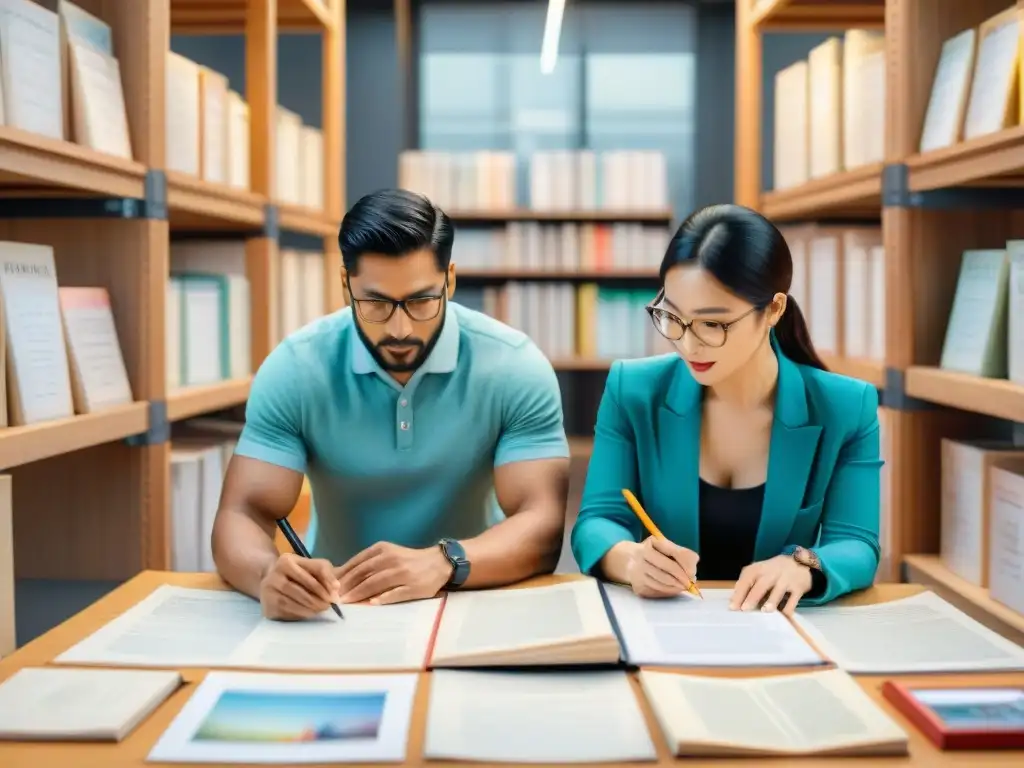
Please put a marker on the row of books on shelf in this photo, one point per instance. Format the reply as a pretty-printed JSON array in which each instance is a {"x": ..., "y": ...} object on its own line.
[
  {"x": 982, "y": 516},
  {"x": 830, "y": 109},
  {"x": 558, "y": 180},
  {"x": 985, "y": 332},
  {"x": 59, "y": 349},
  {"x": 60, "y": 77},
  {"x": 839, "y": 284},
  {"x": 975, "y": 87},
  {"x": 567, "y": 320},
  {"x": 209, "y": 313},
  {"x": 533, "y": 246}
]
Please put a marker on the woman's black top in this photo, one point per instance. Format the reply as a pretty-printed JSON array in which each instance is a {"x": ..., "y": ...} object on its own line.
[{"x": 729, "y": 519}]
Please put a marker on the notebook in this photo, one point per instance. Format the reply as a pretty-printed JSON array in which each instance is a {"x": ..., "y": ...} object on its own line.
[
  {"x": 805, "y": 713},
  {"x": 563, "y": 623},
  {"x": 54, "y": 704}
]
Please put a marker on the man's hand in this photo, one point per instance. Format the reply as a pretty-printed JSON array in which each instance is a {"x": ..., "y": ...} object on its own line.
[
  {"x": 387, "y": 573},
  {"x": 769, "y": 581},
  {"x": 297, "y": 588}
]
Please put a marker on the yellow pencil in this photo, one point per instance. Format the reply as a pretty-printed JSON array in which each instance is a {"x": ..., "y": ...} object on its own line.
[{"x": 653, "y": 530}]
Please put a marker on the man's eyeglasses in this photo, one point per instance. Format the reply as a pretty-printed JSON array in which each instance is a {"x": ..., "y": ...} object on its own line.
[
  {"x": 419, "y": 309},
  {"x": 711, "y": 333}
]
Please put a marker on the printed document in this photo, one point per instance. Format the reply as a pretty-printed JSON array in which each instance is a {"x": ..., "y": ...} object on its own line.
[
  {"x": 181, "y": 627},
  {"x": 237, "y": 717},
  {"x": 53, "y": 704},
  {"x": 559, "y": 624},
  {"x": 806, "y": 713},
  {"x": 922, "y": 633},
  {"x": 535, "y": 717},
  {"x": 689, "y": 632}
]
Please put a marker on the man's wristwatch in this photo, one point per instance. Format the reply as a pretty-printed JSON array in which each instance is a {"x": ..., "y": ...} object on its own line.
[
  {"x": 808, "y": 558},
  {"x": 455, "y": 553}
]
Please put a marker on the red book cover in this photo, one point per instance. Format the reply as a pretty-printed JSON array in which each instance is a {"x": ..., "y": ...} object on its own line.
[
  {"x": 433, "y": 634},
  {"x": 962, "y": 718}
]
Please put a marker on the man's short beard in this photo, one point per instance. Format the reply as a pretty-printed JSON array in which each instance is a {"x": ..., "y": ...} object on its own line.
[{"x": 376, "y": 350}]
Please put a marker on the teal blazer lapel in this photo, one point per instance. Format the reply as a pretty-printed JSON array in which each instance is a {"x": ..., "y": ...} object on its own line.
[
  {"x": 679, "y": 443},
  {"x": 794, "y": 447}
]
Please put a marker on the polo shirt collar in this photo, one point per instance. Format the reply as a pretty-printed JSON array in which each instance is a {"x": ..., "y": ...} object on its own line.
[{"x": 442, "y": 359}]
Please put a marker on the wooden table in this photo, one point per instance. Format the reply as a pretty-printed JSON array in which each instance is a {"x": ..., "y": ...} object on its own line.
[{"x": 133, "y": 750}]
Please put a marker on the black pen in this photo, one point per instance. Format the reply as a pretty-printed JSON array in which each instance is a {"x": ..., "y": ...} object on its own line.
[{"x": 300, "y": 549}]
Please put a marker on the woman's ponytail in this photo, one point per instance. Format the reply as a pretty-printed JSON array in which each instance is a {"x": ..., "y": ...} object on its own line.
[{"x": 794, "y": 338}]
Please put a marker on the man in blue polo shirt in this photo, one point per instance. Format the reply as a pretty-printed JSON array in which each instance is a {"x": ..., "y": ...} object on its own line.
[{"x": 432, "y": 436}]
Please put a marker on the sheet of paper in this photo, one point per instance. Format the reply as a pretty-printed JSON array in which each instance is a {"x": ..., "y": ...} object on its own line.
[
  {"x": 264, "y": 718},
  {"x": 518, "y": 717},
  {"x": 180, "y": 627},
  {"x": 51, "y": 703},
  {"x": 806, "y": 712},
  {"x": 494, "y": 620},
  {"x": 690, "y": 632},
  {"x": 922, "y": 633}
]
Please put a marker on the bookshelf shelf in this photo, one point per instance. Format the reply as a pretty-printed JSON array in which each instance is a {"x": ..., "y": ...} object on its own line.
[
  {"x": 196, "y": 203},
  {"x": 992, "y": 397},
  {"x": 303, "y": 220},
  {"x": 866, "y": 370},
  {"x": 499, "y": 275},
  {"x": 856, "y": 193},
  {"x": 44, "y": 440},
  {"x": 973, "y": 600},
  {"x": 995, "y": 157},
  {"x": 470, "y": 217},
  {"x": 226, "y": 16},
  {"x": 31, "y": 160},
  {"x": 817, "y": 14},
  {"x": 193, "y": 401},
  {"x": 581, "y": 364}
]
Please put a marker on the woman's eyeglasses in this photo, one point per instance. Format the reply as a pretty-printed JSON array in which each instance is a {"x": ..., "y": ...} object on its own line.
[{"x": 711, "y": 333}]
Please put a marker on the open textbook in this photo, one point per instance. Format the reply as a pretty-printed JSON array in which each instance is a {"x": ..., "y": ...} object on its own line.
[
  {"x": 53, "y": 704},
  {"x": 560, "y": 624},
  {"x": 180, "y": 627},
  {"x": 820, "y": 713},
  {"x": 922, "y": 633},
  {"x": 535, "y": 717},
  {"x": 257, "y": 717},
  {"x": 686, "y": 631}
]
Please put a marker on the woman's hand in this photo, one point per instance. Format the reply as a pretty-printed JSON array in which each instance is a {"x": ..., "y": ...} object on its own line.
[
  {"x": 659, "y": 568},
  {"x": 769, "y": 581}
]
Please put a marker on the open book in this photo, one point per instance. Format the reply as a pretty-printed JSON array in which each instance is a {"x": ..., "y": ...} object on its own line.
[
  {"x": 809, "y": 713},
  {"x": 53, "y": 704},
  {"x": 560, "y": 624}
]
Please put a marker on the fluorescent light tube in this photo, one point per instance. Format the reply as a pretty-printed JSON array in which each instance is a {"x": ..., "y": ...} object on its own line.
[{"x": 552, "y": 31}]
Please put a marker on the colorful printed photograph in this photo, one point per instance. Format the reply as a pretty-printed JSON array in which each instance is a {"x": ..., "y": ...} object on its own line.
[{"x": 288, "y": 717}]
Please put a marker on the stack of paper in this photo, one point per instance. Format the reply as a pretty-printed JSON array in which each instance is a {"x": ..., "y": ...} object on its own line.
[
  {"x": 687, "y": 631},
  {"x": 80, "y": 704},
  {"x": 560, "y": 624},
  {"x": 179, "y": 627}
]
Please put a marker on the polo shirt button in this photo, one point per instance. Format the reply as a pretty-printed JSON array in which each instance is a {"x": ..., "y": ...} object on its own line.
[
  {"x": 404, "y": 403},
  {"x": 404, "y": 425}
]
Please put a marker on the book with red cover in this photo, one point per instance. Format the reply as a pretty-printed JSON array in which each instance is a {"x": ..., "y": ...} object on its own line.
[{"x": 953, "y": 718}]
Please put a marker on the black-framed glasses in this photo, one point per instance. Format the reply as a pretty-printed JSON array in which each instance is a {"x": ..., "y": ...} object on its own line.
[
  {"x": 711, "y": 333},
  {"x": 419, "y": 309}
]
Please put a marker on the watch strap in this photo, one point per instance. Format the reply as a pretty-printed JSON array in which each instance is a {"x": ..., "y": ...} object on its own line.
[{"x": 455, "y": 553}]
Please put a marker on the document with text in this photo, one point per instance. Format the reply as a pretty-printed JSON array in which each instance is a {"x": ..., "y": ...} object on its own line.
[
  {"x": 808, "y": 713},
  {"x": 686, "y": 631},
  {"x": 535, "y": 717},
  {"x": 922, "y": 633},
  {"x": 182, "y": 627},
  {"x": 559, "y": 624}
]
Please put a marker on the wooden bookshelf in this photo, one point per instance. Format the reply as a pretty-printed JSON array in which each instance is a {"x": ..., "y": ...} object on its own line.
[
  {"x": 866, "y": 370},
  {"x": 924, "y": 236},
  {"x": 92, "y": 496},
  {"x": 555, "y": 274},
  {"x": 595, "y": 216}
]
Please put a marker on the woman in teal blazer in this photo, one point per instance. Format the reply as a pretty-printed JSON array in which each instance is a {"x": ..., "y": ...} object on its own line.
[{"x": 757, "y": 464}]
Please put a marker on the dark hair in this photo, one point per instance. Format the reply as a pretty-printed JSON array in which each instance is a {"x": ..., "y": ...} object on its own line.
[
  {"x": 395, "y": 222},
  {"x": 749, "y": 256}
]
